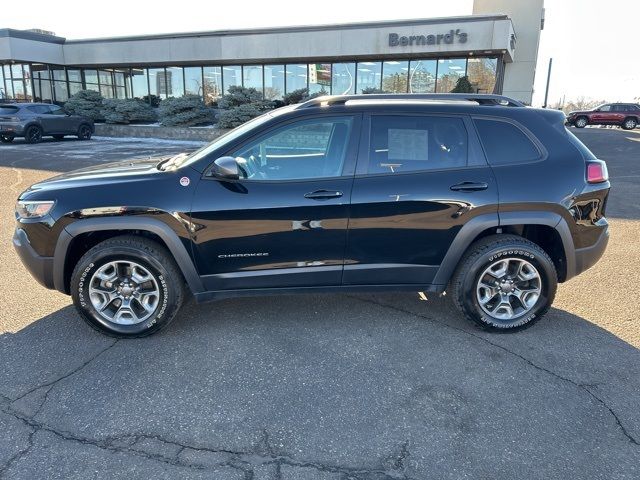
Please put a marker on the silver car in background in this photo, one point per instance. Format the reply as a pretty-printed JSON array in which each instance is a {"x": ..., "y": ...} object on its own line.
[{"x": 36, "y": 120}]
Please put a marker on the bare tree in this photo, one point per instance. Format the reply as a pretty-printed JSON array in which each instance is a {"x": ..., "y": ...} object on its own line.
[{"x": 580, "y": 103}]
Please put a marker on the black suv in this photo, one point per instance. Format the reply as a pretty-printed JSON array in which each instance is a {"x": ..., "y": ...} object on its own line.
[
  {"x": 477, "y": 194},
  {"x": 36, "y": 120}
]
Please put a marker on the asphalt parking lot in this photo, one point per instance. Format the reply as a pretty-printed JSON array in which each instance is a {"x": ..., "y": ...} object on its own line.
[{"x": 323, "y": 387}]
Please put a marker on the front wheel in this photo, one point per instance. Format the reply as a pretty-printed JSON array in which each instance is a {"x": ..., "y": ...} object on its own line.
[
  {"x": 84, "y": 132},
  {"x": 581, "y": 122},
  {"x": 127, "y": 287},
  {"x": 504, "y": 283},
  {"x": 630, "y": 124}
]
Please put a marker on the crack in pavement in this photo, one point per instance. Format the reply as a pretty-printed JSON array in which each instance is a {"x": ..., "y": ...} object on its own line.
[{"x": 584, "y": 387}]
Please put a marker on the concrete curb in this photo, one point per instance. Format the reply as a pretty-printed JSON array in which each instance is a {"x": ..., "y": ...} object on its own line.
[{"x": 154, "y": 131}]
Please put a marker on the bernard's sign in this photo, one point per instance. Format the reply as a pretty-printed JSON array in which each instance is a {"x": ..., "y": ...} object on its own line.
[{"x": 453, "y": 36}]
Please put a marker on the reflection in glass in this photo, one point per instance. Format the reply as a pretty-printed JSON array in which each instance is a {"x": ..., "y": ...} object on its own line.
[
  {"x": 395, "y": 76},
  {"x": 105, "y": 77},
  {"x": 157, "y": 82},
  {"x": 231, "y": 76},
  {"x": 273, "y": 82},
  {"x": 482, "y": 74},
  {"x": 74, "y": 75},
  {"x": 320, "y": 78},
  {"x": 60, "y": 91},
  {"x": 252, "y": 77},
  {"x": 18, "y": 90},
  {"x": 74, "y": 88},
  {"x": 106, "y": 91},
  {"x": 139, "y": 82},
  {"x": 58, "y": 74},
  {"x": 422, "y": 76},
  {"x": 212, "y": 84},
  {"x": 369, "y": 76},
  {"x": 296, "y": 77},
  {"x": 175, "y": 82},
  {"x": 3, "y": 92},
  {"x": 343, "y": 79},
  {"x": 90, "y": 76},
  {"x": 193, "y": 81},
  {"x": 449, "y": 71}
]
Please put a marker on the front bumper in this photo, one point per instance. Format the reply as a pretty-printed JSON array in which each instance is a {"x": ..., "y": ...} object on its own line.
[
  {"x": 41, "y": 268},
  {"x": 587, "y": 257}
]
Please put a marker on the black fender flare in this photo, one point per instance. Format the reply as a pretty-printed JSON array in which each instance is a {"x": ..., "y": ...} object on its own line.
[
  {"x": 474, "y": 227},
  {"x": 161, "y": 229}
]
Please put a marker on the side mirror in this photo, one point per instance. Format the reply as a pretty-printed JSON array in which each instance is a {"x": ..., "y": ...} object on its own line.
[{"x": 226, "y": 168}]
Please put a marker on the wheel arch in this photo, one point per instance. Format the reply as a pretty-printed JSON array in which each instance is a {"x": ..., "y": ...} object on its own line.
[
  {"x": 99, "y": 229},
  {"x": 547, "y": 229}
]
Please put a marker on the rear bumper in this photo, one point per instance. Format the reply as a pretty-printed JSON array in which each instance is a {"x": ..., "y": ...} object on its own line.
[
  {"x": 41, "y": 268},
  {"x": 11, "y": 129},
  {"x": 586, "y": 258}
]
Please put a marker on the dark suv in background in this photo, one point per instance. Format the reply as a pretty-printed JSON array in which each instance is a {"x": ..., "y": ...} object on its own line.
[
  {"x": 625, "y": 115},
  {"x": 474, "y": 194},
  {"x": 36, "y": 120}
]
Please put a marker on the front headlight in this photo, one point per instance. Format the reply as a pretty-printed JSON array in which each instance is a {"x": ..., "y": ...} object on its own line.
[{"x": 36, "y": 209}]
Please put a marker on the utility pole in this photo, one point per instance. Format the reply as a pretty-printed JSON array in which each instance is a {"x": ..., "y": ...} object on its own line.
[{"x": 546, "y": 91}]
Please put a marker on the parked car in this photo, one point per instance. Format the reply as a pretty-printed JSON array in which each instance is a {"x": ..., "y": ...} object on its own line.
[
  {"x": 495, "y": 204},
  {"x": 36, "y": 120},
  {"x": 625, "y": 115}
]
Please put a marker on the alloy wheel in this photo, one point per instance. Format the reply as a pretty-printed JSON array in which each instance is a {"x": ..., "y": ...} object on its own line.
[
  {"x": 124, "y": 292},
  {"x": 508, "y": 288}
]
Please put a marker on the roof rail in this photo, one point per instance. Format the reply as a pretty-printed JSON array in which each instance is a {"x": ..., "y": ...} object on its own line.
[{"x": 478, "y": 98}]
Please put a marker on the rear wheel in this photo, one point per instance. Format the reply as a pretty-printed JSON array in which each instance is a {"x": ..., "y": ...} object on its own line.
[
  {"x": 504, "y": 283},
  {"x": 127, "y": 287},
  {"x": 629, "y": 123},
  {"x": 33, "y": 134},
  {"x": 84, "y": 132},
  {"x": 581, "y": 122},
  {"x": 6, "y": 138}
]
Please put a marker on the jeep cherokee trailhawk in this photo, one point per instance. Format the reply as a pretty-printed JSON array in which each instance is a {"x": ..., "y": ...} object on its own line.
[{"x": 478, "y": 195}]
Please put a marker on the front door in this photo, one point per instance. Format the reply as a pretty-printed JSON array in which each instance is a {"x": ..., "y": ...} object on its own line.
[
  {"x": 284, "y": 223},
  {"x": 419, "y": 179},
  {"x": 55, "y": 120}
]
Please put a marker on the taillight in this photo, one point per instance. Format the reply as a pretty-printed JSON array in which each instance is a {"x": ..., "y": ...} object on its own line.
[{"x": 597, "y": 171}]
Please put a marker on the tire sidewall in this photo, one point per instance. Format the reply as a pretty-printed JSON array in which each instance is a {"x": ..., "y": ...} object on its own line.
[
  {"x": 548, "y": 278},
  {"x": 28, "y": 137},
  {"x": 630, "y": 121},
  {"x": 80, "y": 281}
]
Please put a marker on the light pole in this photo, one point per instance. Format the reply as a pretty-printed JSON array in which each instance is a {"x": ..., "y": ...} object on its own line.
[{"x": 546, "y": 90}]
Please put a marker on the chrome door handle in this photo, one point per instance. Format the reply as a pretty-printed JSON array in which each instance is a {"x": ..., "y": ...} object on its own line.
[
  {"x": 469, "y": 186},
  {"x": 323, "y": 194}
]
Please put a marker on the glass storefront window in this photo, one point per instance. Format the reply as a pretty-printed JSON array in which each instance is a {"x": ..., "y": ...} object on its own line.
[
  {"x": 320, "y": 78},
  {"x": 369, "y": 76},
  {"x": 58, "y": 74},
  {"x": 212, "y": 84},
  {"x": 74, "y": 76},
  {"x": 60, "y": 91},
  {"x": 395, "y": 76},
  {"x": 343, "y": 79},
  {"x": 273, "y": 82},
  {"x": 16, "y": 71},
  {"x": 157, "y": 82},
  {"x": 91, "y": 76},
  {"x": 231, "y": 76},
  {"x": 449, "y": 71},
  {"x": 252, "y": 77},
  {"x": 74, "y": 88},
  {"x": 193, "y": 81},
  {"x": 41, "y": 83},
  {"x": 105, "y": 77},
  {"x": 175, "y": 82},
  {"x": 106, "y": 91},
  {"x": 3, "y": 89},
  {"x": 482, "y": 74},
  {"x": 296, "y": 77},
  {"x": 18, "y": 90},
  {"x": 422, "y": 76},
  {"x": 139, "y": 85}
]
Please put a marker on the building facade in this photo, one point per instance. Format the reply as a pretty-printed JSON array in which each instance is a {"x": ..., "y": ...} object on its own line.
[{"x": 413, "y": 56}]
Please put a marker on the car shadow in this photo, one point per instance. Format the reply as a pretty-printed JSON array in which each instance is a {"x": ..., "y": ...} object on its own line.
[{"x": 337, "y": 380}]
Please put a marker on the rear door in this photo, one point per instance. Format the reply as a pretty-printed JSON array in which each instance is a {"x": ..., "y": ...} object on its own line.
[{"x": 419, "y": 179}]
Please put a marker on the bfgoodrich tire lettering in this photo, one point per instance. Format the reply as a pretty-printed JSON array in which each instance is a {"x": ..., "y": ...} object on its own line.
[
  {"x": 515, "y": 251},
  {"x": 159, "y": 269}
]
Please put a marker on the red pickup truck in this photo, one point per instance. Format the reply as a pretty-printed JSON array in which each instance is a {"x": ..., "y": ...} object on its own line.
[{"x": 625, "y": 115}]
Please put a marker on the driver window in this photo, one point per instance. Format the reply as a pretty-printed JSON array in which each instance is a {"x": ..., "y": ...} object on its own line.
[
  {"x": 55, "y": 110},
  {"x": 605, "y": 108},
  {"x": 306, "y": 149}
]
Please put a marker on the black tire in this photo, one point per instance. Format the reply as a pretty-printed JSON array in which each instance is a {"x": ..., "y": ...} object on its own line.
[
  {"x": 146, "y": 253},
  {"x": 484, "y": 253},
  {"x": 581, "y": 122},
  {"x": 629, "y": 123},
  {"x": 6, "y": 138},
  {"x": 84, "y": 132},
  {"x": 33, "y": 134},
  {"x": 58, "y": 137}
]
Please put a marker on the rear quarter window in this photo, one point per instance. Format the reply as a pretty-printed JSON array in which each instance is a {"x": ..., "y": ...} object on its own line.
[
  {"x": 8, "y": 110},
  {"x": 504, "y": 143}
]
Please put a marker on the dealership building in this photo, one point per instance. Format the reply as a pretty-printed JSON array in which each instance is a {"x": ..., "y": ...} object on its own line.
[{"x": 496, "y": 47}]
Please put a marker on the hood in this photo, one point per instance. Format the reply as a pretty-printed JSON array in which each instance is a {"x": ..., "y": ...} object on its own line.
[{"x": 101, "y": 174}]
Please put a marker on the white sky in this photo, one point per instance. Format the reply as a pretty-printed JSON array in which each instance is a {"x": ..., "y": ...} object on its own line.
[{"x": 594, "y": 43}]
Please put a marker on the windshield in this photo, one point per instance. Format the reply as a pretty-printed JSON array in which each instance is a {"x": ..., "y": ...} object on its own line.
[{"x": 229, "y": 137}]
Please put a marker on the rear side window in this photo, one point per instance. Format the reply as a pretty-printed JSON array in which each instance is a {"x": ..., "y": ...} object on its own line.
[
  {"x": 412, "y": 143},
  {"x": 8, "y": 110},
  {"x": 504, "y": 143},
  {"x": 40, "y": 109}
]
